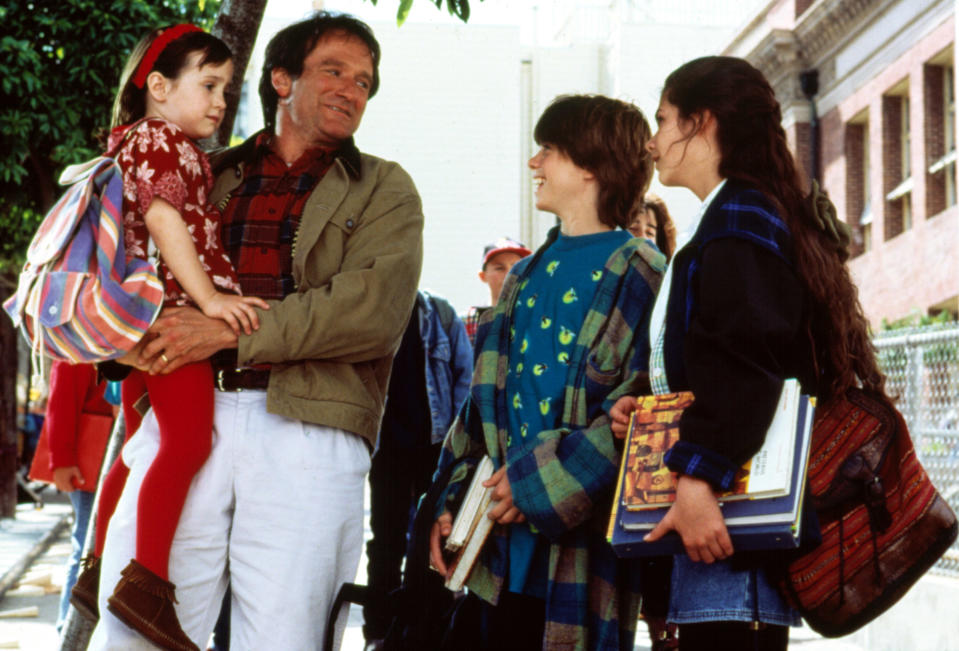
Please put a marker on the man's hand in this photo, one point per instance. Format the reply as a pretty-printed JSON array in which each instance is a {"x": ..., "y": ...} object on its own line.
[
  {"x": 505, "y": 512},
  {"x": 696, "y": 517},
  {"x": 64, "y": 478},
  {"x": 182, "y": 335},
  {"x": 441, "y": 529},
  {"x": 619, "y": 415}
]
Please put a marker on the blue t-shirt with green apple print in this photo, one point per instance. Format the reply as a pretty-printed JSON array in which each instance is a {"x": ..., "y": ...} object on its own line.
[{"x": 550, "y": 308}]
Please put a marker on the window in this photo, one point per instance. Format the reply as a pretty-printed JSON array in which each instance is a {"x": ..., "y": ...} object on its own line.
[
  {"x": 906, "y": 139},
  {"x": 897, "y": 161},
  {"x": 949, "y": 129},
  {"x": 865, "y": 216},
  {"x": 940, "y": 113},
  {"x": 858, "y": 205}
]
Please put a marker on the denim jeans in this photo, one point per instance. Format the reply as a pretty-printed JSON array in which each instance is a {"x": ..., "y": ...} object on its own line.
[
  {"x": 82, "y": 502},
  {"x": 717, "y": 592}
]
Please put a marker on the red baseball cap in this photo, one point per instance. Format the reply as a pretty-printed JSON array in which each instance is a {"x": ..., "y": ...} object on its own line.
[{"x": 504, "y": 245}]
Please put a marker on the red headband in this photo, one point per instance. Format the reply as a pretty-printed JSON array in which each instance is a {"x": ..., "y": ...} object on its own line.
[{"x": 156, "y": 48}]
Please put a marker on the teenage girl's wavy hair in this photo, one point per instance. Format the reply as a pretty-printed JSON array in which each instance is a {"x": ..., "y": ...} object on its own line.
[
  {"x": 130, "y": 102},
  {"x": 754, "y": 151},
  {"x": 608, "y": 138}
]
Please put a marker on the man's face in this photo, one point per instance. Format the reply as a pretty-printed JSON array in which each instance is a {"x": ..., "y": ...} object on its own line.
[
  {"x": 326, "y": 102},
  {"x": 494, "y": 273}
]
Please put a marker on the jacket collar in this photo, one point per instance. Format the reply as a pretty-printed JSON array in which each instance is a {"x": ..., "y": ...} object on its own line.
[{"x": 224, "y": 159}]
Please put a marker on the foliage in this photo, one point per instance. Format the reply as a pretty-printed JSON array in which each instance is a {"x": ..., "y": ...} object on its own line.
[
  {"x": 458, "y": 8},
  {"x": 60, "y": 61},
  {"x": 917, "y": 320}
]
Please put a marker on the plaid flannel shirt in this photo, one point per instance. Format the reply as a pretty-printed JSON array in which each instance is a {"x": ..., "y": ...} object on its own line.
[{"x": 562, "y": 480}]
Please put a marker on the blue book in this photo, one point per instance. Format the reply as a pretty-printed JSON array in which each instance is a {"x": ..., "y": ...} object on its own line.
[{"x": 753, "y": 524}]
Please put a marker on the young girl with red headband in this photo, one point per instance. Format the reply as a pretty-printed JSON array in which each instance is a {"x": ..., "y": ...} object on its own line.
[{"x": 171, "y": 94}]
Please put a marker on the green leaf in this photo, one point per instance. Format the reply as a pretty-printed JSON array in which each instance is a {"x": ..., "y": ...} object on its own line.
[{"x": 403, "y": 12}]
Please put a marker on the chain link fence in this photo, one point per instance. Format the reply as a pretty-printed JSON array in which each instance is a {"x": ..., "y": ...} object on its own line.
[{"x": 922, "y": 370}]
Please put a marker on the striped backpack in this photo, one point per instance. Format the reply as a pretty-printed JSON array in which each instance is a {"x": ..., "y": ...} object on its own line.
[{"x": 78, "y": 299}]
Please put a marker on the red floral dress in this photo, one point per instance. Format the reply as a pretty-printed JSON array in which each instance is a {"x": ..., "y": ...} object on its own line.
[{"x": 159, "y": 160}]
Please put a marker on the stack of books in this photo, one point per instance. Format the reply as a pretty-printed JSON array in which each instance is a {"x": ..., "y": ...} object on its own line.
[
  {"x": 471, "y": 527},
  {"x": 762, "y": 510}
]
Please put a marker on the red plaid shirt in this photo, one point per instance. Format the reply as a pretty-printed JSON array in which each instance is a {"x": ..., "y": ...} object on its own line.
[{"x": 261, "y": 219}]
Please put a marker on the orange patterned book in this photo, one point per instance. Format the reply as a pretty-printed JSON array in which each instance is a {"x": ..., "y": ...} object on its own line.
[{"x": 654, "y": 428}]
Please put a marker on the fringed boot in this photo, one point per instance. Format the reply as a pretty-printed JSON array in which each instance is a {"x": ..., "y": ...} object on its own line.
[
  {"x": 86, "y": 591},
  {"x": 144, "y": 602}
]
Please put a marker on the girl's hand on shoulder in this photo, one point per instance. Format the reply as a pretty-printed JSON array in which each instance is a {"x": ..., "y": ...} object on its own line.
[
  {"x": 64, "y": 478},
  {"x": 237, "y": 311},
  {"x": 619, "y": 415},
  {"x": 697, "y": 518}
]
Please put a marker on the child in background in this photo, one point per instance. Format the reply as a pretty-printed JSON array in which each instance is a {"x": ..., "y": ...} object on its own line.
[
  {"x": 651, "y": 219},
  {"x": 498, "y": 258},
  {"x": 171, "y": 94},
  {"x": 74, "y": 391}
]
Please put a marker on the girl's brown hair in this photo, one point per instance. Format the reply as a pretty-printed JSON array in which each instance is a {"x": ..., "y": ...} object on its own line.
[
  {"x": 130, "y": 102},
  {"x": 754, "y": 151},
  {"x": 608, "y": 138},
  {"x": 665, "y": 227}
]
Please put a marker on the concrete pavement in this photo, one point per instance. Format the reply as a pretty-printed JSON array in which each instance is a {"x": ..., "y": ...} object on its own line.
[{"x": 37, "y": 543}]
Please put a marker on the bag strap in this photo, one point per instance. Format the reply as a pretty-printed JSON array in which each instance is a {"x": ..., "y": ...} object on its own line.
[
  {"x": 348, "y": 593},
  {"x": 445, "y": 310},
  {"x": 110, "y": 153},
  {"x": 417, "y": 563}
]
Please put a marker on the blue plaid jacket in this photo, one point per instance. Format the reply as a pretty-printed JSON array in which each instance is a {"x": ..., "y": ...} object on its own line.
[{"x": 563, "y": 480}]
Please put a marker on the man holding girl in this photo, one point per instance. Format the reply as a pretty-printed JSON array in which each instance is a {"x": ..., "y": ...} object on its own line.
[{"x": 330, "y": 238}]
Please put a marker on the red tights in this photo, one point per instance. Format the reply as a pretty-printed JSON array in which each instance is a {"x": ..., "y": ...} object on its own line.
[{"x": 183, "y": 404}]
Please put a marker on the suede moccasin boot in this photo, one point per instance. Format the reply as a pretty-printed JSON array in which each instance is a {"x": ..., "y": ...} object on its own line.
[
  {"x": 86, "y": 590},
  {"x": 144, "y": 602}
]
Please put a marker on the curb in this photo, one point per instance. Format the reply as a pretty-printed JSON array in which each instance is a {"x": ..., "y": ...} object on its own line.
[{"x": 18, "y": 569}]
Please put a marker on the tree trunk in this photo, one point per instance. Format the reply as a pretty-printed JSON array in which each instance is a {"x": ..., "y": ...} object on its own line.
[
  {"x": 8, "y": 415},
  {"x": 237, "y": 23}
]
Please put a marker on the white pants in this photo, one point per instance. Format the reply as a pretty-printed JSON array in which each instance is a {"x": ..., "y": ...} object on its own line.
[{"x": 277, "y": 510}]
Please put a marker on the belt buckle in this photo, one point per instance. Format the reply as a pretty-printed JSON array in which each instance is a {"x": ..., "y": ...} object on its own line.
[{"x": 220, "y": 377}]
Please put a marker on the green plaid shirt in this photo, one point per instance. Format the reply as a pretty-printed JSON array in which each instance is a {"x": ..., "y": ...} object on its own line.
[{"x": 562, "y": 481}]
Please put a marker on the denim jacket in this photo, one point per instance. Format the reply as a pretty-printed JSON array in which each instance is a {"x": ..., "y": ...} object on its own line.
[{"x": 449, "y": 364}]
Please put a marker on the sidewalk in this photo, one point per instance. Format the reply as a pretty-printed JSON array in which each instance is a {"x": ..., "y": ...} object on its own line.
[
  {"x": 25, "y": 545},
  {"x": 26, "y": 536},
  {"x": 34, "y": 547}
]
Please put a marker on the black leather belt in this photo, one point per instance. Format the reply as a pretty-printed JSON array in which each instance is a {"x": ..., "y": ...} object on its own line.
[{"x": 237, "y": 379}]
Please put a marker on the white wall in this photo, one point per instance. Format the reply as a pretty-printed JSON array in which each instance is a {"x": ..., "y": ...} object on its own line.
[
  {"x": 457, "y": 106},
  {"x": 448, "y": 110}
]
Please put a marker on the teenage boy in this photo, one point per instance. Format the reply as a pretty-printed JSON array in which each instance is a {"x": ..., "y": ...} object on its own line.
[{"x": 568, "y": 336}]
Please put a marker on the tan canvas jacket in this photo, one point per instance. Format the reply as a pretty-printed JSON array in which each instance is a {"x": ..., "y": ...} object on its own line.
[{"x": 356, "y": 263}]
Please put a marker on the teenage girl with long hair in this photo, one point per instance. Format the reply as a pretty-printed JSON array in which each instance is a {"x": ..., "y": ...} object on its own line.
[
  {"x": 171, "y": 94},
  {"x": 757, "y": 292}
]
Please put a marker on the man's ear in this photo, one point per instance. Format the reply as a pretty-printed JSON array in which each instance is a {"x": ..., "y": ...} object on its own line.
[
  {"x": 282, "y": 82},
  {"x": 482, "y": 276},
  {"x": 157, "y": 86}
]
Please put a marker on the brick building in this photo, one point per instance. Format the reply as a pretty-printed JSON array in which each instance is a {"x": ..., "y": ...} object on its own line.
[{"x": 868, "y": 95}]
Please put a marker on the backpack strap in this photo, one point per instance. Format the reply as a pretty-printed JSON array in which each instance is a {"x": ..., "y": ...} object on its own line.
[{"x": 446, "y": 312}]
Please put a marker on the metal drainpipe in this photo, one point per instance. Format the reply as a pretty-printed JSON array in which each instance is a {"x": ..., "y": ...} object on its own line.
[{"x": 809, "y": 82}]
